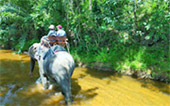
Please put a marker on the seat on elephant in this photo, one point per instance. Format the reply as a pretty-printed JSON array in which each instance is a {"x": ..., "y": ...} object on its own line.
[
  {"x": 53, "y": 40},
  {"x": 52, "y": 50}
]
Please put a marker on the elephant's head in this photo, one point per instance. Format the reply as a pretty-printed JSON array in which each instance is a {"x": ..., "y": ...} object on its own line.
[
  {"x": 33, "y": 56},
  {"x": 36, "y": 52},
  {"x": 33, "y": 50}
]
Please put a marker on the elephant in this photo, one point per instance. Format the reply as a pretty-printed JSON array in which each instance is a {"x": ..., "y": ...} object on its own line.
[{"x": 56, "y": 66}]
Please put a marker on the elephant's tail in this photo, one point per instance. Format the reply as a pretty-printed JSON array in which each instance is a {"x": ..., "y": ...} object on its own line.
[{"x": 72, "y": 69}]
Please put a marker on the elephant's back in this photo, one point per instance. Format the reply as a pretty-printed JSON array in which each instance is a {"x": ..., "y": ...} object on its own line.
[
  {"x": 63, "y": 56},
  {"x": 61, "y": 61}
]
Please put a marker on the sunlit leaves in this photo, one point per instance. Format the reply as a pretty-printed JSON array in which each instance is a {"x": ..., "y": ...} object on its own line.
[{"x": 18, "y": 23}]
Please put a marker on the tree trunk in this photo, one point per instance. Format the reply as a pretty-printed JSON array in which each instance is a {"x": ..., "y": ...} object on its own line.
[{"x": 90, "y": 4}]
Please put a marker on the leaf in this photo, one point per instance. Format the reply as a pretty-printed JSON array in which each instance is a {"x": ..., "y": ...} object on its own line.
[
  {"x": 147, "y": 27},
  {"x": 147, "y": 37}
]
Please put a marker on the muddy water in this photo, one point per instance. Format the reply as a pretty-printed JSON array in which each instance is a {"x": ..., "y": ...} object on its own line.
[{"x": 89, "y": 87}]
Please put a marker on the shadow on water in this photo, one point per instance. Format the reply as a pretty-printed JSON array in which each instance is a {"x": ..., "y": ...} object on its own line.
[
  {"x": 112, "y": 75},
  {"x": 6, "y": 51},
  {"x": 75, "y": 87},
  {"x": 79, "y": 95},
  {"x": 156, "y": 86}
]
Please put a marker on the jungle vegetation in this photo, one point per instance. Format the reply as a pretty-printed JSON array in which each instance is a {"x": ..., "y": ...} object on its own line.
[{"x": 128, "y": 34}]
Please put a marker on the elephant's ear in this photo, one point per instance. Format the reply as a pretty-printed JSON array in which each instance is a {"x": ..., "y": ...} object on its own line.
[
  {"x": 30, "y": 51},
  {"x": 33, "y": 49}
]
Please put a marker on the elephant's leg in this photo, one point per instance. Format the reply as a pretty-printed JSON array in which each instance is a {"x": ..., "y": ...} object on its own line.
[
  {"x": 38, "y": 81},
  {"x": 44, "y": 80},
  {"x": 65, "y": 85}
]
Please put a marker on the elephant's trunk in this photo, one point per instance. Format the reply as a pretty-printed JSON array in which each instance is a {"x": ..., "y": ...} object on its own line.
[{"x": 32, "y": 64}]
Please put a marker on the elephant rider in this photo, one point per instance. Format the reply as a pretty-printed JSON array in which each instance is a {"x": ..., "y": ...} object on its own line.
[
  {"x": 52, "y": 32},
  {"x": 60, "y": 31}
]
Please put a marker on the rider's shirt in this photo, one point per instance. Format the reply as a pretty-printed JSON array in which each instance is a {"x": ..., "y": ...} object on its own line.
[
  {"x": 52, "y": 33},
  {"x": 61, "y": 33}
]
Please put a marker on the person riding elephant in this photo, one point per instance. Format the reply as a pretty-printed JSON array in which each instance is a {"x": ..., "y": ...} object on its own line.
[
  {"x": 55, "y": 66},
  {"x": 52, "y": 32},
  {"x": 60, "y": 31}
]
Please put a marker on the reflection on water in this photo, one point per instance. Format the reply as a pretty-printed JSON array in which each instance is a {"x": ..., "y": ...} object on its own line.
[{"x": 89, "y": 87}]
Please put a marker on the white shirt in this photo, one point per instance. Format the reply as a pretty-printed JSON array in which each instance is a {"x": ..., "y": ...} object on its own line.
[{"x": 61, "y": 32}]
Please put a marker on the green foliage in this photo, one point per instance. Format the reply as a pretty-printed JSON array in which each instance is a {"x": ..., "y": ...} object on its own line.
[
  {"x": 156, "y": 23},
  {"x": 13, "y": 32},
  {"x": 131, "y": 57}
]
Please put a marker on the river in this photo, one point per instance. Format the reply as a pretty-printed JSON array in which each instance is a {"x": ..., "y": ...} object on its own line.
[{"x": 89, "y": 87}]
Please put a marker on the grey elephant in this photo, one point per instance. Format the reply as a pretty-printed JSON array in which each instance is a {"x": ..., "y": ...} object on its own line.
[{"x": 55, "y": 66}]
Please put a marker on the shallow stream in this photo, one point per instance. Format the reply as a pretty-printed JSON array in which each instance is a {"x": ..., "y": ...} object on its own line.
[{"x": 89, "y": 87}]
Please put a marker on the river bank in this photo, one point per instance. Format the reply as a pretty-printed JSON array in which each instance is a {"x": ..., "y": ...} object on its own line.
[{"x": 134, "y": 73}]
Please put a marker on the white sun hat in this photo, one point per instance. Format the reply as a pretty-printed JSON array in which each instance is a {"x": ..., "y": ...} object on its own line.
[{"x": 51, "y": 27}]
